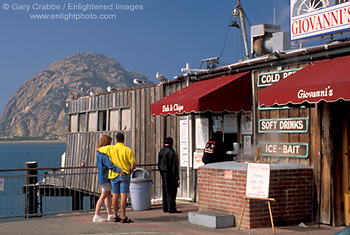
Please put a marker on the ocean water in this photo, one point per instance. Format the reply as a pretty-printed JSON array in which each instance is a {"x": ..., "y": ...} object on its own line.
[{"x": 14, "y": 156}]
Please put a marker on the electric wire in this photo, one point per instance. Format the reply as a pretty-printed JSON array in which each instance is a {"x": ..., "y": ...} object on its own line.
[
  {"x": 239, "y": 45},
  {"x": 228, "y": 29}
]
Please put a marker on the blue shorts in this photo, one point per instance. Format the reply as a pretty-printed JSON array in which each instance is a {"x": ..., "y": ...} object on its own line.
[{"x": 120, "y": 184}]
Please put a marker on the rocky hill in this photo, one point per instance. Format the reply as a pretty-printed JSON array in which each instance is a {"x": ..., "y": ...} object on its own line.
[{"x": 38, "y": 107}]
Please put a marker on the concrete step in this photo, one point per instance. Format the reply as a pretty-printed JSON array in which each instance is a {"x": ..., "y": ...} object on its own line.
[{"x": 211, "y": 219}]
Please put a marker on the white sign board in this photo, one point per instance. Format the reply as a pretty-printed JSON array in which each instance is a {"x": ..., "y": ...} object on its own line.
[
  {"x": 247, "y": 144},
  {"x": 217, "y": 124},
  {"x": 318, "y": 18},
  {"x": 258, "y": 180},
  {"x": 246, "y": 123},
  {"x": 198, "y": 155},
  {"x": 202, "y": 132},
  {"x": 183, "y": 143},
  {"x": 2, "y": 184}
]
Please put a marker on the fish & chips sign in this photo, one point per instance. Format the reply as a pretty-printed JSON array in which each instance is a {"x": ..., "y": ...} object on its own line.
[
  {"x": 312, "y": 18},
  {"x": 172, "y": 108}
]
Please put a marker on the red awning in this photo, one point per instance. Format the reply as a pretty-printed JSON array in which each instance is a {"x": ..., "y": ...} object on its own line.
[
  {"x": 229, "y": 93},
  {"x": 327, "y": 80}
]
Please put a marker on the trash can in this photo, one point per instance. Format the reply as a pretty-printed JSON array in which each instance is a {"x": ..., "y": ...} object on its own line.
[{"x": 140, "y": 190}]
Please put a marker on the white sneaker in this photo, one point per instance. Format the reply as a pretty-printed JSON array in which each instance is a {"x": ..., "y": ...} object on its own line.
[
  {"x": 110, "y": 218},
  {"x": 98, "y": 218}
]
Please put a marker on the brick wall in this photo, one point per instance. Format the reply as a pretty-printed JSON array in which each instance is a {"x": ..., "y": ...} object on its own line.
[{"x": 291, "y": 188}]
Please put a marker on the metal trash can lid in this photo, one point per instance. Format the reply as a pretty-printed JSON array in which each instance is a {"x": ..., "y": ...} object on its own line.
[{"x": 140, "y": 174}]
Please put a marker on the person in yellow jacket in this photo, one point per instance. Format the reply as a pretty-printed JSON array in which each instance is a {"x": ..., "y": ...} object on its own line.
[{"x": 124, "y": 158}]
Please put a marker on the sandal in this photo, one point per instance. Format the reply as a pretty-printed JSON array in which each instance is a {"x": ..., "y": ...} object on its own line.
[
  {"x": 117, "y": 219},
  {"x": 127, "y": 220}
]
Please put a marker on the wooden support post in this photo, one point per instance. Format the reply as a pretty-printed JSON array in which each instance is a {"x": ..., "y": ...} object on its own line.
[
  {"x": 31, "y": 198},
  {"x": 77, "y": 201},
  {"x": 93, "y": 201}
]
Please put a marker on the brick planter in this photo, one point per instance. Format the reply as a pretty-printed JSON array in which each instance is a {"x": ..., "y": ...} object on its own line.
[{"x": 291, "y": 185}]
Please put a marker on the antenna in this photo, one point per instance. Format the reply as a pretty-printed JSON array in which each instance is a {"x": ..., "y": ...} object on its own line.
[
  {"x": 241, "y": 15},
  {"x": 211, "y": 63},
  {"x": 274, "y": 11}
]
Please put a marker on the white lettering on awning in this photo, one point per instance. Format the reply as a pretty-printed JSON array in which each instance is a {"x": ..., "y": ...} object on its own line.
[
  {"x": 327, "y": 92},
  {"x": 172, "y": 107}
]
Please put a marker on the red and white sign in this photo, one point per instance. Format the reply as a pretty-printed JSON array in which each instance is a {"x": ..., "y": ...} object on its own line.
[
  {"x": 201, "y": 96},
  {"x": 198, "y": 155},
  {"x": 228, "y": 175},
  {"x": 317, "y": 19},
  {"x": 172, "y": 107},
  {"x": 312, "y": 93}
]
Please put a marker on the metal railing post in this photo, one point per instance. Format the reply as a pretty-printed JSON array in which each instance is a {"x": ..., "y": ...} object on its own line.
[{"x": 31, "y": 198}]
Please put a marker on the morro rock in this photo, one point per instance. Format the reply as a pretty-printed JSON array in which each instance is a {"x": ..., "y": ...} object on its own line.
[{"x": 38, "y": 108}]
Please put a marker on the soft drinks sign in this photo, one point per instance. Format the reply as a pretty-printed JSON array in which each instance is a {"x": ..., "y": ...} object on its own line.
[{"x": 312, "y": 18}]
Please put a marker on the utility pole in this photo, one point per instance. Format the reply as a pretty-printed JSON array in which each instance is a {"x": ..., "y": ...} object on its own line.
[{"x": 241, "y": 15}]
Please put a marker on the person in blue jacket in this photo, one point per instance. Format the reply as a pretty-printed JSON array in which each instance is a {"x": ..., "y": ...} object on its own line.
[{"x": 104, "y": 164}]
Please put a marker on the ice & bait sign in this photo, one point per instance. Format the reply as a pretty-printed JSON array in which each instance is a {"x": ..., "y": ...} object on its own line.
[{"x": 300, "y": 150}]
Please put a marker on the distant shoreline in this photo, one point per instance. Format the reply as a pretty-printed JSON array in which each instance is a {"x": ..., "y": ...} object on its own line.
[{"x": 30, "y": 141}]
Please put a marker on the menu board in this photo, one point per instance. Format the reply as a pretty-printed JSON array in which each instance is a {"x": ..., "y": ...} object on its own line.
[
  {"x": 183, "y": 143},
  {"x": 246, "y": 123},
  {"x": 258, "y": 180},
  {"x": 217, "y": 124},
  {"x": 202, "y": 132}
]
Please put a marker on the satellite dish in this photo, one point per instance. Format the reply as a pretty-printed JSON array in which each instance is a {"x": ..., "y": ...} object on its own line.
[
  {"x": 161, "y": 78},
  {"x": 139, "y": 81}
]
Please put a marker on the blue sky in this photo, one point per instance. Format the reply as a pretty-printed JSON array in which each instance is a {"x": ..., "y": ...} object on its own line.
[{"x": 161, "y": 36}]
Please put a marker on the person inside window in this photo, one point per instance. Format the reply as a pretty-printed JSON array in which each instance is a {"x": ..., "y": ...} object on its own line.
[{"x": 215, "y": 149}]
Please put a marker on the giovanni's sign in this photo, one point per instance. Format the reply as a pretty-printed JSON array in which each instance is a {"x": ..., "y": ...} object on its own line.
[
  {"x": 318, "y": 94},
  {"x": 312, "y": 18}
]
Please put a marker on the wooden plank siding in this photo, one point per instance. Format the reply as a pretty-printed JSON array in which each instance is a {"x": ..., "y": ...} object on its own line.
[
  {"x": 281, "y": 112},
  {"x": 145, "y": 136},
  {"x": 319, "y": 139}
]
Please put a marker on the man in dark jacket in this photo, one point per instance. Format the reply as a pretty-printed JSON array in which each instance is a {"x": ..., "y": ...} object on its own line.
[{"x": 168, "y": 165}]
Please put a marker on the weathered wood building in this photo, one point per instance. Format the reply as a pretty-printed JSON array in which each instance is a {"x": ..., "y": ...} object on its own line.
[
  {"x": 308, "y": 116},
  {"x": 126, "y": 111},
  {"x": 311, "y": 132}
]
